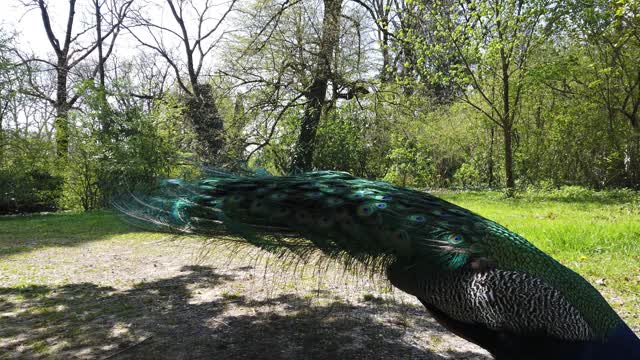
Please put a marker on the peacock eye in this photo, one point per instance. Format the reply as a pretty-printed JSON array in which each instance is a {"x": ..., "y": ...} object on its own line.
[
  {"x": 455, "y": 239},
  {"x": 364, "y": 210}
]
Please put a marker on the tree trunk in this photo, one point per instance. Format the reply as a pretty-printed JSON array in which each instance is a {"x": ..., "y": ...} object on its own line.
[
  {"x": 315, "y": 94},
  {"x": 62, "y": 110},
  {"x": 508, "y": 159},
  {"x": 99, "y": 43},
  {"x": 202, "y": 111},
  {"x": 490, "y": 160},
  {"x": 105, "y": 115},
  {"x": 633, "y": 154},
  {"x": 386, "y": 56},
  {"x": 2, "y": 135},
  {"x": 303, "y": 156},
  {"x": 507, "y": 124}
]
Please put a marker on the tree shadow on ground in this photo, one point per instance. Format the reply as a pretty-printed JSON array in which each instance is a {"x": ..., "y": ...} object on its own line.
[{"x": 183, "y": 317}]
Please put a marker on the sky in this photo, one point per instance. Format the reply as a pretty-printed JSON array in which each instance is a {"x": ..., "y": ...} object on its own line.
[
  {"x": 31, "y": 34},
  {"x": 13, "y": 17}
]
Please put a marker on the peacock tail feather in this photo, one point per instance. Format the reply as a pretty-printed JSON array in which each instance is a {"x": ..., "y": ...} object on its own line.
[{"x": 371, "y": 222}]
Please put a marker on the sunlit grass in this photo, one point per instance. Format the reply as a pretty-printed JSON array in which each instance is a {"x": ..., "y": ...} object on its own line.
[{"x": 25, "y": 233}]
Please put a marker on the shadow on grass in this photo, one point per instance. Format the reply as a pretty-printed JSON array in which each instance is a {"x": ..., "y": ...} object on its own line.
[
  {"x": 182, "y": 318},
  {"x": 25, "y": 233}
]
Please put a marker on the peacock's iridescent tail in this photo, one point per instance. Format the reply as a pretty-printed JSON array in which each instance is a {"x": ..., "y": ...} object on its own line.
[{"x": 377, "y": 224}]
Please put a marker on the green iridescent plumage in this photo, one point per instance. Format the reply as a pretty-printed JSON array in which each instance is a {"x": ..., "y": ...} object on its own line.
[{"x": 371, "y": 222}]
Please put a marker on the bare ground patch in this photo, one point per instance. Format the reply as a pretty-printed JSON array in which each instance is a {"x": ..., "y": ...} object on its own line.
[{"x": 147, "y": 296}]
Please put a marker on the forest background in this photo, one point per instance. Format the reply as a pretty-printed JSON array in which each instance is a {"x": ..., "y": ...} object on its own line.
[{"x": 540, "y": 95}]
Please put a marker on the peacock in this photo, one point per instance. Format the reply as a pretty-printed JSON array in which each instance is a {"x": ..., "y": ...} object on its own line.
[{"x": 481, "y": 281}]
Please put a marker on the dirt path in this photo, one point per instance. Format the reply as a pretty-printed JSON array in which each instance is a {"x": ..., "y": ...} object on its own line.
[{"x": 145, "y": 296}]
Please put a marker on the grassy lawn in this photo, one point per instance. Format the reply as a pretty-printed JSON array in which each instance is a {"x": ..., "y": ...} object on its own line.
[{"x": 90, "y": 286}]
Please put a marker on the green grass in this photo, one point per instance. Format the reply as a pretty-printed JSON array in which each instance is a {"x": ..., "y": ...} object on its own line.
[{"x": 25, "y": 233}]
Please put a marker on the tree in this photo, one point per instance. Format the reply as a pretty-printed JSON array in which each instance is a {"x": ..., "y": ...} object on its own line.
[
  {"x": 6, "y": 77},
  {"x": 609, "y": 73},
  {"x": 317, "y": 91},
  {"x": 198, "y": 33},
  {"x": 290, "y": 73},
  {"x": 382, "y": 13},
  {"x": 492, "y": 42},
  {"x": 6, "y": 82},
  {"x": 70, "y": 53}
]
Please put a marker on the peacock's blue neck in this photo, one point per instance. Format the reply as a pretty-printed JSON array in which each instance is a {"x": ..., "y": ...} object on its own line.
[{"x": 623, "y": 344}]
